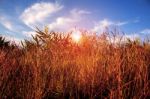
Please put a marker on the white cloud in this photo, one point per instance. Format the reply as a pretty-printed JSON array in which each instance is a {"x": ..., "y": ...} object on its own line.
[
  {"x": 39, "y": 12},
  {"x": 75, "y": 12},
  {"x": 68, "y": 22},
  {"x": 145, "y": 31},
  {"x": 84, "y": 12},
  {"x": 103, "y": 24},
  {"x": 29, "y": 33},
  {"x": 10, "y": 24},
  {"x": 6, "y": 23},
  {"x": 61, "y": 23},
  {"x": 121, "y": 23}
]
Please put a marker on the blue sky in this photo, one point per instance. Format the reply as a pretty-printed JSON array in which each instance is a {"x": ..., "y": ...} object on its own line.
[{"x": 18, "y": 18}]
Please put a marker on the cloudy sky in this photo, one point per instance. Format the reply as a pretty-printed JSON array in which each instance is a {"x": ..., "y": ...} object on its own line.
[{"x": 18, "y": 18}]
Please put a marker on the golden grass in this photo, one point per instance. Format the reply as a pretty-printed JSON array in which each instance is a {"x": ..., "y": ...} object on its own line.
[{"x": 51, "y": 66}]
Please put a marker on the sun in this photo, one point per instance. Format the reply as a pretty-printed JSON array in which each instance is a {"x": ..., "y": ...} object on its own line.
[{"x": 76, "y": 36}]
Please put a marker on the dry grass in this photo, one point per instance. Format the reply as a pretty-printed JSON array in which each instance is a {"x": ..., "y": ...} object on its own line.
[{"x": 51, "y": 66}]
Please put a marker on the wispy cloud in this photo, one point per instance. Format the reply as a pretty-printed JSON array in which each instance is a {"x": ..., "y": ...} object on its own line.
[
  {"x": 61, "y": 23},
  {"x": 145, "y": 31},
  {"x": 6, "y": 23},
  {"x": 39, "y": 12},
  {"x": 11, "y": 25},
  {"x": 121, "y": 23},
  {"x": 64, "y": 23},
  {"x": 75, "y": 12},
  {"x": 28, "y": 33},
  {"x": 101, "y": 25}
]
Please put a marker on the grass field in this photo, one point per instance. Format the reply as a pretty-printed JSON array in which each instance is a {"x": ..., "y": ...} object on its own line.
[{"x": 52, "y": 66}]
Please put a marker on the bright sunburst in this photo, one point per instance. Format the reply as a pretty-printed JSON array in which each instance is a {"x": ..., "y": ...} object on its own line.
[{"x": 76, "y": 36}]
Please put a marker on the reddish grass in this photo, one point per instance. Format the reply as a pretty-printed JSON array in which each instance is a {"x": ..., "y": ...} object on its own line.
[{"x": 51, "y": 66}]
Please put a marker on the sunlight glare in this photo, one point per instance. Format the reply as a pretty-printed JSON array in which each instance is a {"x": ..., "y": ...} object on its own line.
[{"x": 76, "y": 36}]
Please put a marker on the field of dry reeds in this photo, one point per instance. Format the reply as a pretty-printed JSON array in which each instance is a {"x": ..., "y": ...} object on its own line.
[{"x": 51, "y": 66}]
